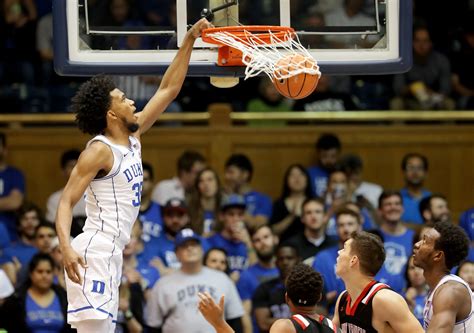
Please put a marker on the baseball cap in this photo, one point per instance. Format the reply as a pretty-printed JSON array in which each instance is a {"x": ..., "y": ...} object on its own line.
[
  {"x": 175, "y": 204},
  {"x": 185, "y": 235},
  {"x": 233, "y": 200}
]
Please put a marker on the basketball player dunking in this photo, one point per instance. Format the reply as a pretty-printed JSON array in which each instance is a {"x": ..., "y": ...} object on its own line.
[
  {"x": 304, "y": 288},
  {"x": 367, "y": 306},
  {"x": 450, "y": 304},
  {"x": 109, "y": 171}
]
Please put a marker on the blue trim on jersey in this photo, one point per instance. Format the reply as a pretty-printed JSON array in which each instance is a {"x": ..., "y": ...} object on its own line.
[
  {"x": 91, "y": 307},
  {"x": 106, "y": 312},
  {"x": 81, "y": 309}
]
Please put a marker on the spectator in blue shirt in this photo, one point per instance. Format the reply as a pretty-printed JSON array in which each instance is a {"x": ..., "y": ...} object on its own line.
[
  {"x": 150, "y": 212},
  {"x": 347, "y": 221},
  {"x": 238, "y": 174},
  {"x": 398, "y": 241},
  {"x": 264, "y": 242},
  {"x": 328, "y": 149},
  {"x": 234, "y": 237},
  {"x": 39, "y": 305},
  {"x": 23, "y": 249},
  {"x": 415, "y": 169},
  {"x": 12, "y": 190},
  {"x": 175, "y": 218}
]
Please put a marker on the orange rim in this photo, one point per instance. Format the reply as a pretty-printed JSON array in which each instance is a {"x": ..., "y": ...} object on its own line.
[{"x": 261, "y": 34}]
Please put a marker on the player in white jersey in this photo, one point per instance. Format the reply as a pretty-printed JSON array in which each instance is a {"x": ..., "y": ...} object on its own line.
[
  {"x": 109, "y": 171},
  {"x": 450, "y": 303}
]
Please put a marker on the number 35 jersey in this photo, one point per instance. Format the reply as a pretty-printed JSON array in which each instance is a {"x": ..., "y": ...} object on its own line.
[{"x": 113, "y": 201}]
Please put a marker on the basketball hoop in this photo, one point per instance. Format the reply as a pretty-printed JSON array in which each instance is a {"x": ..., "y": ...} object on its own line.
[{"x": 260, "y": 48}]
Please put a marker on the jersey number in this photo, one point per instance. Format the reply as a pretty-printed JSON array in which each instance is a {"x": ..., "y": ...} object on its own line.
[{"x": 137, "y": 187}]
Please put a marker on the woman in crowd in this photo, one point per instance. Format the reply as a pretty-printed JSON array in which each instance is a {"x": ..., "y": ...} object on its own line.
[
  {"x": 204, "y": 202},
  {"x": 417, "y": 289},
  {"x": 285, "y": 220},
  {"x": 39, "y": 305},
  {"x": 216, "y": 258}
]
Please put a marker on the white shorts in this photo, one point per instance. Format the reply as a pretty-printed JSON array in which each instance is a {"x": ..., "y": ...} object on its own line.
[{"x": 97, "y": 297}]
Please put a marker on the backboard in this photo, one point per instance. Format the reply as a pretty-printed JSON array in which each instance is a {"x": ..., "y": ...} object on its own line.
[{"x": 140, "y": 37}]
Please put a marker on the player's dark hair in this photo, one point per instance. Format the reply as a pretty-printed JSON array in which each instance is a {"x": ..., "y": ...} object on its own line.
[
  {"x": 242, "y": 162},
  {"x": 328, "y": 141},
  {"x": 187, "y": 160},
  {"x": 286, "y": 188},
  {"x": 147, "y": 167},
  {"x": 91, "y": 103},
  {"x": 409, "y": 156},
  {"x": 370, "y": 251},
  {"x": 304, "y": 285},
  {"x": 69, "y": 155},
  {"x": 387, "y": 194},
  {"x": 453, "y": 241}
]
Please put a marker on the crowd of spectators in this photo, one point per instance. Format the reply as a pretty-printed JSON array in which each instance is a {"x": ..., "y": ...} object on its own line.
[
  {"x": 441, "y": 77},
  {"x": 196, "y": 232}
]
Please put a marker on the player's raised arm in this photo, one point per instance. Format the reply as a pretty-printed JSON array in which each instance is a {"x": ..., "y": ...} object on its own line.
[
  {"x": 93, "y": 159},
  {"x": 172, "y": 80}
]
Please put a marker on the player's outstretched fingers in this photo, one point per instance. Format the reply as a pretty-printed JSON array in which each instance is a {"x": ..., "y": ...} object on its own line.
[{"x": 221, "y": 302}]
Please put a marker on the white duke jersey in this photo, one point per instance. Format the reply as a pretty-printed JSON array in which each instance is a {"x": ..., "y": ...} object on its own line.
[
  {"x": 113, "y": 201},
  {"x": 464, "y": 326}
]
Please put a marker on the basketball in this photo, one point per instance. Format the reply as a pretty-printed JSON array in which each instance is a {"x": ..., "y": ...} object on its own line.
[{"x": 300, "y": 85}]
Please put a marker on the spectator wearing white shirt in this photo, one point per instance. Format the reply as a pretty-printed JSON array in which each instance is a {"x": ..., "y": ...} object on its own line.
[{"x": 188, "y": 166}]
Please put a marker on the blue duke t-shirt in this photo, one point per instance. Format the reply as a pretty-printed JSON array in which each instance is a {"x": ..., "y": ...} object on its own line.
[
  {"x": 40, "y": 319},
  {"x": 258, "y": 204}
]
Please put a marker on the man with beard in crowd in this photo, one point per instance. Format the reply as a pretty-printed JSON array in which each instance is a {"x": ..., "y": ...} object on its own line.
[
  {"x": 269, "y": 303},
  {"x": 415, "y": 169},
  {"x": 434, "y": 208},
  {"x": 264, "y": 243},
  {"x": 328, "y": 149}
]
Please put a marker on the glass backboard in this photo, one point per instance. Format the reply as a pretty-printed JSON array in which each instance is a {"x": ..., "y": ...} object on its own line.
[{"x": 142, "y": 36}]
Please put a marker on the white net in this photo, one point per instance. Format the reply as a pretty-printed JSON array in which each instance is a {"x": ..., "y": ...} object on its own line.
[{"x": 270, "y": 57}]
